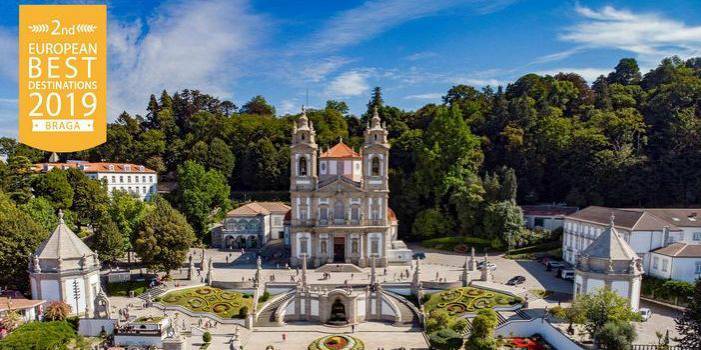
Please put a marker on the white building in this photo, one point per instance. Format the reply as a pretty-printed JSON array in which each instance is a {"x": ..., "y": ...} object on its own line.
[
  {"x": 678, "y": 261},
  {"x": 251, "y": 225},
  {"x": 133, "y": 178},
  {"x": 645, "y": 230},
  {"x": 609, "y": 262},
  {"x": 546, "y": 216},
  {"x": 64, "y": 268}
]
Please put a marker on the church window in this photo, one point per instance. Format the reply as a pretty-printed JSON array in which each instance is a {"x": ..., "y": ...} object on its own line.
[
  {"x": 338, "y": 210},
  {"x": 374, "y": 246},
  {"x": 354, "y": 246},
  {"x": 323, "y": 167},
  {"x": 303, "y": 245},
  {"x": 302, "y": 171},
  {"x": 355, "y": 213},
  {"x": 375, "y": 168},
  {"x": 375, "y": 137},
  {"x": 323, "y": 247},
  {"x": 664, "y": 265},
  {"x": 655, "y": 261},
  {"x": 698, "y": 268},
  {"x": 323, "y": 213}
]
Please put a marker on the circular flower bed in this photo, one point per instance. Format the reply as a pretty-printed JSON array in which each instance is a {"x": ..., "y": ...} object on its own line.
[
  {"x": 459, "y": 301},
  {"x": 225, "y": 304},
  {"x": 337, "y": 342}
]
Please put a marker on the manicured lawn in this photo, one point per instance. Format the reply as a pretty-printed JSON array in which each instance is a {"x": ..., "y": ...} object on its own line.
[
  {"x": 223, "y": 303},
  {"x": 121, "y": 289},
  {"x": 457, "y": 243},
  {"x": 459, "y": 301}
]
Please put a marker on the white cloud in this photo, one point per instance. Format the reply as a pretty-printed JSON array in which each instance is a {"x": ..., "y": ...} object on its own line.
[
  {"x": 289, "y": 107},
  {"x": 198, "y": 45},
  {"x": 374, "y": 17},
  {"x": 427, "y": 96},
  {"x": 8, "y": 54},
  {"x": 317, "y": 71},
  {"x": 351, "y": 83},
  {"x": 589, "y": 74},
  {"x": 650, "y": 36},
  {"x": 421, "y": 55}
]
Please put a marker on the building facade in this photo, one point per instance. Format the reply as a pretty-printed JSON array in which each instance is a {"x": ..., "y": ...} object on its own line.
[
  {"x": 609, "y": 262},
  {"x": 339, "y": 200},
  {"x": 546, "y": 216},
  {"x": 678, "y": 261},
  {"x": 645, "y": 230},
  {"x": 63, "y": 268},
  {"x": 251, "y": 225},
  {"x": 135, "y": 179}
]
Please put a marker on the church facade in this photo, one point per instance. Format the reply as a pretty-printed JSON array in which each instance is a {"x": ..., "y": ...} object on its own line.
[{"x": 339, "y": 199}]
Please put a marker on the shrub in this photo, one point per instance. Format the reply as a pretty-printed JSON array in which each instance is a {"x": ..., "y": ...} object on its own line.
[
  {"x": 57, "y": 311},
  {"x": 207, "y": 337},
  {"x": 36, "y": 335},
  {"x": 263, "y": 298},
  {"x": 459, "y": 325},
  {"x": 243, "y": 312},
  {"x": 445, "y": 339}
]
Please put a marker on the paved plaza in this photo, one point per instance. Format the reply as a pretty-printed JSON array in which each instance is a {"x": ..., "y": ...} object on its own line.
[{"x": 438, "y": 265}]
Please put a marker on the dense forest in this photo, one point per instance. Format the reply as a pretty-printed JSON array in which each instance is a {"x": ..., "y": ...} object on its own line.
[{"x": 628, "y": 139}]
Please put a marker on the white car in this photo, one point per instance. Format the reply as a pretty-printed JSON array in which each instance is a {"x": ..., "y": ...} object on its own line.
[
  {"x": 490, "y": 265},
  {"x": 645, "y": 313}
]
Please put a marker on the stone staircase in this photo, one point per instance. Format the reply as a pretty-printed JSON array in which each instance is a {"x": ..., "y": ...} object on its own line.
[
  {"x": 523, "y": 315},
  {"x": 268, "y": 317},
  {"x": 155, "y": 292},
  {"x": 409, "y": 316},
  {"x": 501, "y": 319}
]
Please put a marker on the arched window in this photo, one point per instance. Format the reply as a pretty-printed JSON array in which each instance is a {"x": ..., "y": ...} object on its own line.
[
  {"x": 302, "y": 171},
  {"x": 375, "y": 167}
]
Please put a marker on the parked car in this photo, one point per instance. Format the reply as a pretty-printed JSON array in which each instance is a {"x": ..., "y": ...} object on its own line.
[
  {"x": 490, "y": 265},
  {"x": 566, "y": 274},
  {"x": 554, "y": 264},
  {"x": 419, "y": 255},
  {"x": 514, "y": 281},
  {"x": 645, "y": 313}
]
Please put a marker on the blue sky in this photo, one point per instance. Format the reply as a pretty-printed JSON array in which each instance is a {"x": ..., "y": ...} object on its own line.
[{"x": 415, "y": 50}]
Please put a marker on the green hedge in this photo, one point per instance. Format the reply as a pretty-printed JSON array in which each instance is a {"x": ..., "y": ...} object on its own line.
[
  {"x": 55, "y": 335},
  {"x": 121, "y": 289},
  {"x": 670, "y": 291},
  {"x": 449, "y": 243}
]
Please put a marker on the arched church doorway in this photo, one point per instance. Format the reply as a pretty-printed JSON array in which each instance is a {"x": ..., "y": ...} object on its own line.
[{"x": 338, "y": 313}]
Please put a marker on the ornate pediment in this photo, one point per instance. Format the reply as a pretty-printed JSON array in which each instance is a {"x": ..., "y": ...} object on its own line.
[{"x": 339, "y": 184}]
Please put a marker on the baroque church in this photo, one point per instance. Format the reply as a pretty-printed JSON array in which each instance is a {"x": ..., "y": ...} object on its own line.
[{"x": 339, "y": 200}]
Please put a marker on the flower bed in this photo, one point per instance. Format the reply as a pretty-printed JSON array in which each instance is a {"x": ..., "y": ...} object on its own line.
[
  {"x": 225, "y": 304},
  {"x": 459, "y": 301},
  {"x": 535, "y": 342},
  {"x": 337, "y": 342}
]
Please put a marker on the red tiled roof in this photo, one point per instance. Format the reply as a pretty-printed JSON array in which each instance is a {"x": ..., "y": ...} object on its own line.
[
  {"x": 250, "y": 209},
  {"x": 340, "y": 150},
  {"x": 275, "y": 207},
  {"x": 99, "y": 167}
]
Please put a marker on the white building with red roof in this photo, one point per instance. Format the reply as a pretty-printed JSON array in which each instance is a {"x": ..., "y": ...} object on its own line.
[
  {"x": 251, "y": 225},
  {"x": 133, "y": 178}
]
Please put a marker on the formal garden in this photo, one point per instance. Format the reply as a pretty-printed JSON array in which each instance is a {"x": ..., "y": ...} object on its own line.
[
  {"x": 459, "y": 301},
  {"x": 337, "y": 342},
  {"x": 223, "y": 303}
]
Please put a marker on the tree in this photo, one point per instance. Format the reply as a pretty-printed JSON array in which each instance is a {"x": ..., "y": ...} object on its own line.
[
  {"x": 626, "y": 72},
  {"x": 200, "y": 193},
  {"x": 207, "y": 337},
  {"x": 127, "y": 212},
  {"x": 90, "y": 199},
  {"x": 18, "y": 182},
  {"x": 20, "y": 236},
  {"x": 164, "y": 237},
  {"x": 601, "y": 307},
  {"x": 257, "y": 105},
  {"x": 482, "y": 335},
  {"x": 376, "y": 101},
  {"x": 509, "y": 186},
  {"x": 431, "y": 223},
  {"x": 220, "y": 157},
  {"x": 43, "y": 213},
  {"x": 688, "y": 324},
  {"x": 54, "y": 186},
  {"x": 503, "y": 219},
  {"x": 57, "y": 310},
  {"x": 107, "y": 241},
  {"x": 616, "y": 335}
]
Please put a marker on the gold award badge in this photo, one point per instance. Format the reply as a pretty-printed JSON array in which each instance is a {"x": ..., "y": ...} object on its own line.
[{"x": 62, "y": 76}]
